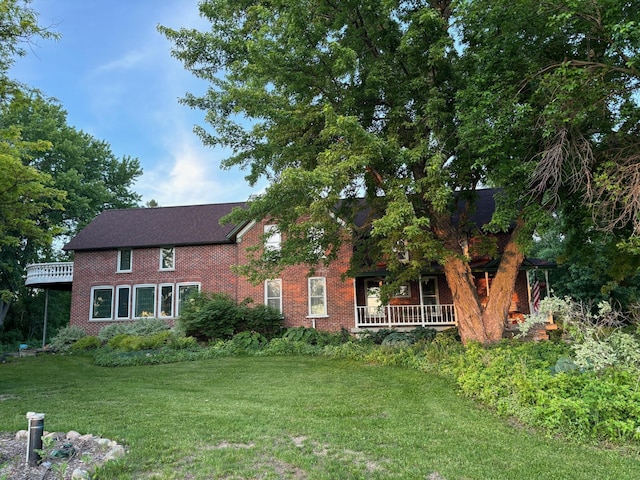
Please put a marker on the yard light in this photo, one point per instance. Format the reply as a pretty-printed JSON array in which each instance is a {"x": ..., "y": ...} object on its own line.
[{"x": 34, "y": 440}]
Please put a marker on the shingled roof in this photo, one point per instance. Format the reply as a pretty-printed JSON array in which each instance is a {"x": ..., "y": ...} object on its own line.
[{"x": 156, "y": 227}]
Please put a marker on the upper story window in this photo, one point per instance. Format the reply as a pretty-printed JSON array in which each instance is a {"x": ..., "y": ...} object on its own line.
[
  {"x": 273, "y": 237},
  {"x": 167, "y": 258},
  {"x": 125, "y": 258}
]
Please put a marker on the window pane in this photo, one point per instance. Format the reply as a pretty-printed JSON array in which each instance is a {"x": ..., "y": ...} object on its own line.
[
  {"x": 123, "y": 302},
  {"x": 102, "y": 299},
  {"x": 317, "y": 306},
  {"x": 317, "y": 297},
  {"x": 274, "y": 303},
  {"x": 125, "y": 260},
  {"x": 145, "y": 301},
  {"x": 273, "y": 294},
  {"x": 273, "y": 239},
  {"x": 167, "y": 258},
  {"x": 273, "y": 288},
  {"x": 184, "y": 292},
  {"x": 166, "y": 301}
]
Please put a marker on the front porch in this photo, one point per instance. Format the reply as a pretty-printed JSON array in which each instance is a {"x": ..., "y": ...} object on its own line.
[{"x": 400, "y": 316}]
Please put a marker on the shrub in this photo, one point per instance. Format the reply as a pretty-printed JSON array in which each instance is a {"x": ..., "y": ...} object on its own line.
[
  {"x": 145, "y": 327},
  {"x": 133, "y": 343},
  {"x": 89, "y": 342},
  {"x": 66, "y": 337},
  {"x": 141, "y": 327},
  {"x": 261, "y": 319},
  {"x": 210, "y": 316},
  {"x": 110, "y": 331}
]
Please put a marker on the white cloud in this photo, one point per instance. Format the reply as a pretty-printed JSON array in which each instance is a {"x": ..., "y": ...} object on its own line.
[{"x": 127, "y": 61}]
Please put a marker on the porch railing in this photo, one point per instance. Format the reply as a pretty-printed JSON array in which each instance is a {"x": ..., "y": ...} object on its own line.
[
  {"x": 49, "y": 273},
  {"x": 393, "y": 316}
]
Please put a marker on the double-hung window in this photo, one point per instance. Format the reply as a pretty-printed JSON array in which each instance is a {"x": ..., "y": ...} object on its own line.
[
  {"x": 317, "y": 297},
  {"x": 144, "y": 301},
  {"x": 101, "y": 303},
  {"x": 273, "y": 238},
  {"x": 273, "y": 294},
  {"x": 125, "y": 258},
  {"x": 167, "y": 258}
]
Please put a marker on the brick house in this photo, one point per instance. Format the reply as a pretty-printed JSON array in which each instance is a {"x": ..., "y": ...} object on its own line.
[{"x": 135, "y": 263}]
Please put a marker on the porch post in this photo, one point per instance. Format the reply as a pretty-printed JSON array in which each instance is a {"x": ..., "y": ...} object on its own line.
[
  {"x": 46, "y": 307},
  {"x": 546, "y": 282},
  {"x": 355, "y": 304},
  {"x": 529, "y": 292}
]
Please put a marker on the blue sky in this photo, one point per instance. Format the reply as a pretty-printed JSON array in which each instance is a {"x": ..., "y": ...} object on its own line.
[{"x": 114, "y": 75}]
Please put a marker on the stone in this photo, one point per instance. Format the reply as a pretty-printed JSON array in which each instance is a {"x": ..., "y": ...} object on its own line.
[
  {"x": 73, "y": 435},
  {"x": 22, "y": 435},
  {"x": 103, "y": 441},
  {"x": 86, "y": 438},
  {"x": 115, "y": 452},
  {"x": 79, "y": 474}
]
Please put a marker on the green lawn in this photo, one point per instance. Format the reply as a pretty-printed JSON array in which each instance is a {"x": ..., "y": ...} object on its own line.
[{"x": 288, "y": 417}]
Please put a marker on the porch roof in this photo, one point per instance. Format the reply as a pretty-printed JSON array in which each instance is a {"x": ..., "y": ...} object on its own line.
[{"x": 481, "y": 265}]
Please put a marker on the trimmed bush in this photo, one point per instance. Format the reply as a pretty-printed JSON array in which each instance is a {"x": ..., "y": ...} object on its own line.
[
  {"x": 141, "y": 327},
  {"x": 90, "y": 342},
  {"x": 66, "y": 337}
]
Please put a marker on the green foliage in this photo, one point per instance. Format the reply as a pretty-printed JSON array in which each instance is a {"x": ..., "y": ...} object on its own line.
[
  {"x": 133, "y": 343},
  {"x": 398, "y": 339},
  {"x": 249, "y": 340},
  {"x": 140, "y": 327},
  {"x": 89, "y": 342},
  {"x": 210, "y": 316},
  {"x": 262, "y": 318},
  {"x": 66, "y": 337}
]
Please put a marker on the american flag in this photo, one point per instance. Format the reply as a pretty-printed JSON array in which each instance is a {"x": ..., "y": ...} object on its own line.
[{"x": 535, "y": 296}]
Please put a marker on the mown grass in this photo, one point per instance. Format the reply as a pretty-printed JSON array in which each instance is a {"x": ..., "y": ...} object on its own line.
[{"x": 288, "y": 417}]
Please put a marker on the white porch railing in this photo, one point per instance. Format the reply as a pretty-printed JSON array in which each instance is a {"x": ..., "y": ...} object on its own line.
[
  {"x": 49, "y": 273},
  {"x": 392, "y": 316}
]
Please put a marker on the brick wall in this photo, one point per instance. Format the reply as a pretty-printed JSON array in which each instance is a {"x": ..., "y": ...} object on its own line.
[
  {"x": 295, "y": 305},
  {"x": 208, "y": 265}
]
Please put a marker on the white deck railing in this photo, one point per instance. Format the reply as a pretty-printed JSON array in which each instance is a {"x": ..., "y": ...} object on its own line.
[
  {"x": 393, "y": 316},
  {"x": 49, "y": 273}
]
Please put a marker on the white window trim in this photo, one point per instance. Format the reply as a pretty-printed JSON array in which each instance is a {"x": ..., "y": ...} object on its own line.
[
  {"x": 134, "y": 298},
  {"x": 159, "y": 300},
  {"x": 266, "y": 291},
  {"x": 117, "y": 302},
  {"x": 273, "y": 238},
  {"x": 118, "y": 269},
  {"x": 177, "y": 294},
  {"x": 160, "y": 267},
  {"x": 324, "y": 292},
  {"x": 93, "y": 289}
]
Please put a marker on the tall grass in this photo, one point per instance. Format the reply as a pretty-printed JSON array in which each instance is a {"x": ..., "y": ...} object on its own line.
[{"x": 287, "y": 417}]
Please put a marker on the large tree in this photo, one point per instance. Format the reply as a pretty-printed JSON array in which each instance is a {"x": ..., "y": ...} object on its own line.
[
  {"x": 413, "y": 105},
  {"x": 25, "y": 192},
  {"x": 53, "y": 178}
]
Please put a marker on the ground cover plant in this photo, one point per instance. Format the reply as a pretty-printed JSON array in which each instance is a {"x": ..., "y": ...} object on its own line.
[{"x": 288, "y": 417}]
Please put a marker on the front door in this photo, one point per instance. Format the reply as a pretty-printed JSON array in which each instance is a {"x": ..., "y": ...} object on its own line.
[{"x": 374, "y": 305}]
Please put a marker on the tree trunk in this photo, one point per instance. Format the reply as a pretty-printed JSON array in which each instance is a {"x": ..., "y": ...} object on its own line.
[{"x": 475, "y": 322}]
